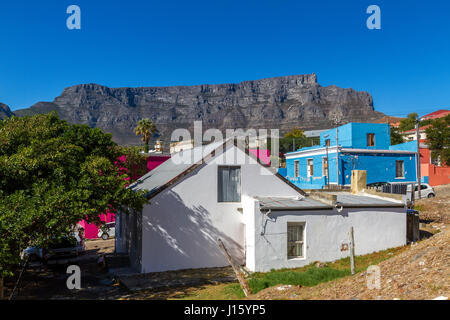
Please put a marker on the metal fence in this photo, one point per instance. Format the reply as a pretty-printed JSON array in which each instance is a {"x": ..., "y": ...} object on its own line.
[{"x": 398, "y": 188}]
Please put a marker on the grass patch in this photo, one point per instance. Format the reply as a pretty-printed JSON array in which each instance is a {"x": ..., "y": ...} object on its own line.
[
  {"x": 305, "y": 276},
  {"x": 311, "y": 277}
]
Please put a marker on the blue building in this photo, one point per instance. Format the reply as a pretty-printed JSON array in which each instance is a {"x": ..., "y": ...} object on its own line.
[{"x": 361, "y": 146}]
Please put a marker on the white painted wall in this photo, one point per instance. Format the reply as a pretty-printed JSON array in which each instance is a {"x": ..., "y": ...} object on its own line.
[
  {"x": 375, "y": 229},
  {"x": 181, "y": 225}
]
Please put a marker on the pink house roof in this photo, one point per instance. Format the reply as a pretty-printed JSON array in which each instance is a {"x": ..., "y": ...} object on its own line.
[{"x": 437, "y": 114}]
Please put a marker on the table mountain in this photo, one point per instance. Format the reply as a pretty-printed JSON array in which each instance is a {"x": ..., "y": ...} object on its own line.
[{"x": 273, "y": 103}]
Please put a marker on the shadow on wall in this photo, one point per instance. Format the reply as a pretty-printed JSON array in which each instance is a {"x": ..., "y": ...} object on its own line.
[{"x": 182, "y": 237}]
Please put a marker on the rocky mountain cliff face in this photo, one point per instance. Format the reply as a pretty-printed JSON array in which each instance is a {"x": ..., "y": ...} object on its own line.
[
  {"x": 5, "y": 112},
  {"x": 274, "y": 103}
]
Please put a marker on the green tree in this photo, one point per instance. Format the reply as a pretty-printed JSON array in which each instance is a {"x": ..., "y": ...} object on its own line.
[
  {"x": 52, "y": 175},
  {"x": 295, "y": 139},
  {"x": 438, "y": 138},
  {"x": 146, "y": 129},
  {"x": 408, "y": 123},
  {"x": 396, "y": 137}
]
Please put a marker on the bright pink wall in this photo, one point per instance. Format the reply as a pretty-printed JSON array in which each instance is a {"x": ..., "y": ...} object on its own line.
[
  {"x": 262, "y": 154},
  {"x": 154, "y": 161}
]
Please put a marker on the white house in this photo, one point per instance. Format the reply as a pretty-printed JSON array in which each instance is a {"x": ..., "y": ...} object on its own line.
[{"x": 264, "y": 221}]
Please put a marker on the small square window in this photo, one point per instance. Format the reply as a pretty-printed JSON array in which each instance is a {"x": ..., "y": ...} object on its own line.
[{"x": 371, "y": 139}]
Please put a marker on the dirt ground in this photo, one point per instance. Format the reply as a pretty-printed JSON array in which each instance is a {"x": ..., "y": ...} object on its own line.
[{"x": 436, "y": 209}]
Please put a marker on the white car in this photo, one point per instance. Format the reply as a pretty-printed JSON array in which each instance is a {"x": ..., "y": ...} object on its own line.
[
  {"x": 426, "y": 191},
  {"x": 65, "y": 247},
  {"x": 107, "y": 231}
]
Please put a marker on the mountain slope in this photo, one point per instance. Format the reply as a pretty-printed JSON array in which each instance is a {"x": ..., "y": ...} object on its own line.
[
  {"x": 278, "y": 103},
  {"x": 5, "y": 112}
]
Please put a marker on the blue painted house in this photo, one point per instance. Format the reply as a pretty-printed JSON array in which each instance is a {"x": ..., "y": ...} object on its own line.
[{"x": 361, "y": 146}]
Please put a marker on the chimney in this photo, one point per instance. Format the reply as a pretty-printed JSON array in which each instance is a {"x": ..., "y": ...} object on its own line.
[{"x": 359, "y": 181}]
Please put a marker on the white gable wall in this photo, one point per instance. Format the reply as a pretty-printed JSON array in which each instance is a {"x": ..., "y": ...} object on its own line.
[
  {"x": 325, "y": 231},
  {"x": 181, "y": 224}
]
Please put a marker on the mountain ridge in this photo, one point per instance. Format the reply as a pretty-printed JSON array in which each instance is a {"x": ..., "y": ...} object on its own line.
[{"x": 271, "y": 103}]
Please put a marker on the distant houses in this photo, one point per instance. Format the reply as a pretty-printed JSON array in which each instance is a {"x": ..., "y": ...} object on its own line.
[
  {"x": 353, "y": 146},
  {"x": 432, "y": 170}
]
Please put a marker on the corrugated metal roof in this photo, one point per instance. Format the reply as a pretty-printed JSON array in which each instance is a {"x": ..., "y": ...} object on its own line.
[
  {"x": 279, "y": 203},
  {"x": 173, "y": 167},
  {"x": 360, "y": 200}
]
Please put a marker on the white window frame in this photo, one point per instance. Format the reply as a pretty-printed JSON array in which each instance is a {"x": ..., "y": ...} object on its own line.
[
  {"x": 324, "y": 171},
  {"x": 296, "y": 168},
  {"x": 240, "y": 186},
  {"x": 301, "y": 242},
  {"x": 308, "y": 169},
  {"x": 403, "y": 169}
]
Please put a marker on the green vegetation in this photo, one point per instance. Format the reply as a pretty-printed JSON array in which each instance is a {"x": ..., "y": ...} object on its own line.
[
  {"x": 396, "y": 137},
  {"x": 146, "y": 129},
  {"x": 296, "y": 139},
  {"x": 310, "y": 277},
  {"x": 408, "y": 123},
  {"x": 438, "y": 136},
  {"x": 52, "y": 175}
]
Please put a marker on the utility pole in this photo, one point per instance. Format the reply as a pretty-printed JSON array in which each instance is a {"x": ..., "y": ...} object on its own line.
[
  {"x": 336, "y": 121},
  {"x": 328, "y": 170},
  {"x": 418, "y": 158}
]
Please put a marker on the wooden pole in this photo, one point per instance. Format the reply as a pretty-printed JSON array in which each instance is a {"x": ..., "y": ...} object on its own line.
[
  {"x": 418, "y": 159},
  {"x": 244, "y": 285},
  {"x": 352, "y": 251}
]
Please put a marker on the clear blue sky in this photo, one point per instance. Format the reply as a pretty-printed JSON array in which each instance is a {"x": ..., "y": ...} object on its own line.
[{"x": 405, "y": 65}]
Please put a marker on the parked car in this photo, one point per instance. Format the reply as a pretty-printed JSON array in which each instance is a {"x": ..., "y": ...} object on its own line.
[
  {"x": 65, "y": 247},
  {"x": 426, "y": 191},
  {"x": 109, "y": 230}
]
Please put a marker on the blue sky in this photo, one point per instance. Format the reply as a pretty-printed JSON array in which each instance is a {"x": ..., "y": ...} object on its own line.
[{"x": 405, "y": 65}]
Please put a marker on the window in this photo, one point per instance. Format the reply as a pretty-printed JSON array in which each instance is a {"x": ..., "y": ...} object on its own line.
[
  {"x": 296, "y": 169},
  {"x": 371, "y": 139},
  {"x": 229, "y": 184},
  {"x": 295, "y": 240},
  {"x": 327, "y": 142},
  {"x": 325, "y": 167},
  {"x": 399, "y": 169},
  {"x": 310, "y": 168}
]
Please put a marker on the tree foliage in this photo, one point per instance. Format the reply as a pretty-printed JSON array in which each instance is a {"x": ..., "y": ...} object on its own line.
[
  {"x": 409, "y": 122},
  {"x": 52, "y": 175},
  {"x": 146, "y": 129},
  {"x": 438, "y": 138},
  {"x": 396, "y": 137},
  {"x": 295, "y": 139}
]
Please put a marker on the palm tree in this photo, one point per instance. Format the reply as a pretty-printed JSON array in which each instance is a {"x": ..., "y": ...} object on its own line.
[{"x": 146, "y": 129}]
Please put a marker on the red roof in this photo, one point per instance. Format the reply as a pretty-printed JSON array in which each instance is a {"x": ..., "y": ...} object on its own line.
[
  {"x": 437, "y": 114},
  {"x": 420, "y": 129}
]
